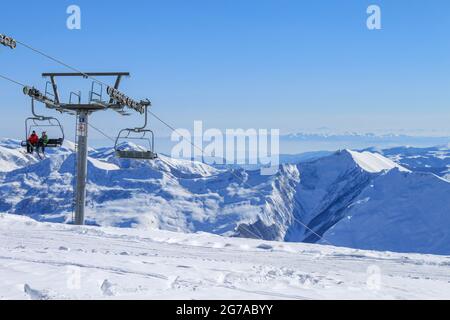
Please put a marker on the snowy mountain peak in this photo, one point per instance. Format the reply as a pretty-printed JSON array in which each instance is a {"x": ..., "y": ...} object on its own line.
[{"x": 374, "y": 162}]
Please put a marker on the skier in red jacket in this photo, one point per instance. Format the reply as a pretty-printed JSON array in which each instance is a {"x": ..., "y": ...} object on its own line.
[{"x": 33, "y": 141}]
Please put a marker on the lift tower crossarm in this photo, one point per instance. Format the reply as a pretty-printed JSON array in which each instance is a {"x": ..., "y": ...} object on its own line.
[
  {"x": 85, "y": 74},
  {"x": 116, "y": 101}
]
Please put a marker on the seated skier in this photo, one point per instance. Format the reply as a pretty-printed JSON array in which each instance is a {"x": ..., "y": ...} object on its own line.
[
  {"x": 43, "y": 141},
  {"x": 32, "y": 142}
]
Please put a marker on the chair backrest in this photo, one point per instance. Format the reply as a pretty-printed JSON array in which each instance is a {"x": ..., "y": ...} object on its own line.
[{"x": 54, "y": 142}]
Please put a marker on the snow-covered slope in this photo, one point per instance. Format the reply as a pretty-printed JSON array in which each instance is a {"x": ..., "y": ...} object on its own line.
[
  {"x": 13, "y": 159},
  {"x": 433, "y": 159},
  {"x": 399, "y": 211},
  {"x": 300, "y": 203},
  {"x": 56, "y": 261},
  {"x": 12, "y": 156}
]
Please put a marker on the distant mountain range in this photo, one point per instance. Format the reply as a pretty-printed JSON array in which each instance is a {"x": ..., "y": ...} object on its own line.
[
  {"x": 367, "y": 135},
  {"x": 395, "y": 199},
  {"x": 300, "y": 142}
]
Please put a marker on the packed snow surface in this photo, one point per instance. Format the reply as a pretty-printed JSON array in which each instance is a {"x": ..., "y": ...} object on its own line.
[{"x": 55, "y": 261}]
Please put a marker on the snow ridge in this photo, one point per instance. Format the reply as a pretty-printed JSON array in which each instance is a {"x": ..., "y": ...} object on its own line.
[{"x": 374, "y": 162}]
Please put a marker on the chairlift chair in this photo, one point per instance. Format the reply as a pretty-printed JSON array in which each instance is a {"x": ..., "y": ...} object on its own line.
[
  {"x": 38, "y": 121},
  {"x": 146, "y": 135}
]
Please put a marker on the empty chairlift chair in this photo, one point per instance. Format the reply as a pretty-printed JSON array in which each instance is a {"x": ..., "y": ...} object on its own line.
[{"x": 137, "y": 134}]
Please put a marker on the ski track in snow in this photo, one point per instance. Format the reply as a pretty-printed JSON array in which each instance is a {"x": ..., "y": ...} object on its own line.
[{"x": 54, "y": 261}]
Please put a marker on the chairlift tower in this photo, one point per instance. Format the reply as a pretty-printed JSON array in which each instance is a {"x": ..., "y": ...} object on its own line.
[{"x": 117, "y": 101}]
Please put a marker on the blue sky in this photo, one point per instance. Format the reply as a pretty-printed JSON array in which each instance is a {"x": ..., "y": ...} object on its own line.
[{"x": 294, "y": 65}]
